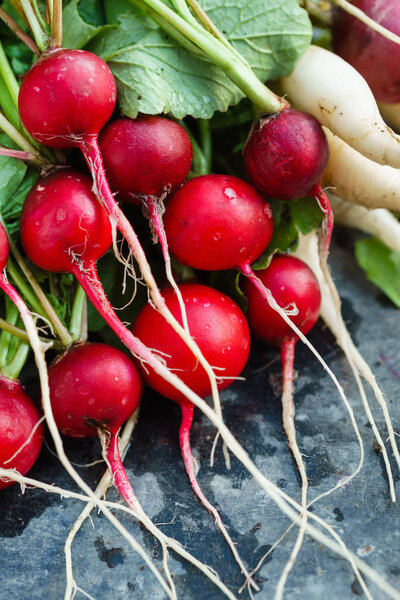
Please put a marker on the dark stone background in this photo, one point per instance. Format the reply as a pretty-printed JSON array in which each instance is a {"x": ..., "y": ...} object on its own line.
[{"x": 33, "y": 526}]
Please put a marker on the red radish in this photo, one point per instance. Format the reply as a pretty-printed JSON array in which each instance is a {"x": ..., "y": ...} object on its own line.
[
  {"x": 145, "y": 160},
  {"x": 94, "y": 388},
  {"x": 147, "y": 156},
  {"x": 285, "y": 156},
  {"x": 373, "y": 55},
  {"x": 4, "y": 249},
  {"x": 18, "y": 419},
  {"x": 290, "y": 280},
  {"x": 217, "y": 222},
  {"x": 222, "y": 333}
]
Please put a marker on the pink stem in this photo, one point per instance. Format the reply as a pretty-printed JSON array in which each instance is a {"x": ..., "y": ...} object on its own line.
[
  {"x": 155, "y": 208},
  {"x": 18, "y": 31},
  {"x": 20, "y": 154},
  {"x": 327, "y": 222},
  {"x": 117, "y": 469}
]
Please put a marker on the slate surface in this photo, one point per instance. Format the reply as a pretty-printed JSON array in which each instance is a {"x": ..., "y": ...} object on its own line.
[{"x": 33, "y": 526}]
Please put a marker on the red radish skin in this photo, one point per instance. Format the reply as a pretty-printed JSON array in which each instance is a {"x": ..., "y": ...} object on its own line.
[
  {"x": 222, "y": 333},
  {"x": 374, "y": 56},
  {"x": 66, "y": 96},
  {"x": 18, "y": 418},
  {"x": 4, "y": 248},
  {"x": 285, "y": 157},
  {"x": 216, "y": 222},
  {"x": 217, "y": 324},
  {"x": 148, "y": 156},
  {"x": 93, "y": 386},
  {"x": 290, "y": 280}
]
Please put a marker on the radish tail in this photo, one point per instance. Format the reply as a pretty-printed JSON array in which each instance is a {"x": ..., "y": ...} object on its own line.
[
  {"x": 325, "y": 236},
  {"x": 91, "y": 152},
  {"x": 184, "y": 441},
  {"x": 288, "y": 411}
]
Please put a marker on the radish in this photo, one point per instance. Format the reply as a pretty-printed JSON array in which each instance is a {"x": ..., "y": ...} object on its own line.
[
  {"x": 289, "y": 280},
  {"x": 223, "y": 336},
  {"x": 21, "y": 432},
  {"x": 285, "y": 156},
  {"x": 145, "y": 160},
  {"x": 360, "y": 180},
  {"x": 330, "y": 89},
  {"x": 373, "y": 55}
]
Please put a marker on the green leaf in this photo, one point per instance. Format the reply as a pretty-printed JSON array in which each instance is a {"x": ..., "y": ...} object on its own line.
[
  {"x": 59, "y": 305},
  {"x": 155, "y": 75},
  {"x": 306, "y": 214},
  {"x": 11, "y": 209},
  {"x": 285, "y": 236},
  {"x": 381, "y": 265},
  {"x": 81, "y": 23}
]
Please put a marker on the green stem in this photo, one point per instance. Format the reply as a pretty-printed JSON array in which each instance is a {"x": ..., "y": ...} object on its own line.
[
  {"x": 21, "y": 142},
  {"x": 239, "y": 72},
  {"x": 199, "y": 162},
  {"x": 8, "y": 76},
  {"x": 206, "y": 143},
  {"x": 24, "y": 37},
  {"x": 49, "y": 12},
  {"x": 22, "y": 335},
  {"x": 39, "y": 17},
  {"x": 50, "y": 313},
  {"x": 40, "y": 36},
  {"x": 14, "y": 367},
  {"x": 77, "y": 315},
  {"x": 8, "y": 106},
  {"x": 12, "y": 315},
  {"x": 24, "y": 288}
]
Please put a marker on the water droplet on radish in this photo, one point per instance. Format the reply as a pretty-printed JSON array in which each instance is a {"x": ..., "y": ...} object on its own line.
[
  {"x": 60, "y": 215},
  {"x": 231, "y": 194},
  {"x": 217, "y": 236},
  {"x": 84, "y": 390},
  {"x": 124, "y": 401},
  {"x": 195, "y": 300},
  {"x": 91, "y": 401}
]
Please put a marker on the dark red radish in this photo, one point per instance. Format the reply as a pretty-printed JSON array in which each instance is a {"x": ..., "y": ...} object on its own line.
[
  {"x": 146, "y": 156},
  {"x": 290, "y": 280},
  {"x": 216, "y": 222},
  {"x": 285, "y": 156},
  {"x": 222, "y": 333},
  {"x": 145, "y": 160},
  {"x": 19, "y": 419},
  {"x": 374, "y": 56}
]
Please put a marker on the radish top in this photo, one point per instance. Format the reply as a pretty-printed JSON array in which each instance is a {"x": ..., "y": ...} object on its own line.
[
  {"x": 93, "y": 386},
  {"x": 66, "y": 96},
  {"x": 62, "y": 223},
  {"x": 286, "y": 154},
  {"x": 218, "y": 326},
  {"x": 150, "y": 155},
  {"x": 18, "y": 417},
  {"x": 290, "y": 281},
  {"x": 217, "y": 222}
]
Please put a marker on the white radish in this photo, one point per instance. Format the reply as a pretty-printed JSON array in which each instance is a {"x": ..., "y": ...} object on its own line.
[
  {"x": 329, "y": 88},
  {"x": 360, "y": 180},
  {"x": 379, "y": 222}
]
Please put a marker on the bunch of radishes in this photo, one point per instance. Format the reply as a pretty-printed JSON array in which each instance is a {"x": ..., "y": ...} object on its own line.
[{"x": 190, "y": 340}]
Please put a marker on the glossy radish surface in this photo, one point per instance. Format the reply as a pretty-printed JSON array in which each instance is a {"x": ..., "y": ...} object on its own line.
[
  {"x": 217, "y": 324},
  {"x": 4, "y": 249},
  {"x": 290, "y": 280},
  {"x": 62, "y": 224},
  {"x": 150, "y": 155},
  {"x": 286, "y": 154},
  {"x": 93, "y": 386},
  {"x": 66, "y": 96},
  {"x": 375, "y": 57},
  {"x": 217, "y": 222},
  {"x": 18, "y": 417}
]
